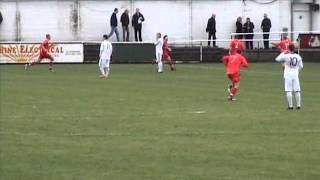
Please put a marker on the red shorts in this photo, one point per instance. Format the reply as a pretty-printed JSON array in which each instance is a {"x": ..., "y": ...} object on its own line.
[
  {"x": 45, "y": 56},
  {"x": 166, "y": 57},
  {"x": 235, "y": 78}
]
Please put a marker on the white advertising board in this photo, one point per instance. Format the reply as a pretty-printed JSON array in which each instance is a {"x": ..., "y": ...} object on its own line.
[{"x": 23, "y": 53}]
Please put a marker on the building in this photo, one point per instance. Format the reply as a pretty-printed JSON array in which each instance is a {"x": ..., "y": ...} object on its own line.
[{"x": 86, "y": 20}]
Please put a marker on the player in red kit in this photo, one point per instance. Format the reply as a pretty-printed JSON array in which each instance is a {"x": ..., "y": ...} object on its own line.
[
  {"x": 43, "y": 54},
  {"x": 233, "y": 63},
  {"x": 283, "y": 46},
  {"x": 166, "y": 54},
  {"x": 236, "y": 46}
]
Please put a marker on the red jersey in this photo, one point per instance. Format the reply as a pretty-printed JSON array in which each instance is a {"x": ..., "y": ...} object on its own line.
[
  {"x": 284, "y": 45},
  {"x": 234, "y": 62},
  {"x": 165, "y": 48},
  {"x": 235, "y": 45},
  {"x": 44, "y": 47}
]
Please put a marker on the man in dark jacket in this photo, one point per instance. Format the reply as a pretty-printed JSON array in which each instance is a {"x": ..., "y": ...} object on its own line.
[
  {"x": 1, "y": 18},
  {"x": 114, "y": 24},
  {"x": 211, "y": 29},
  {"x": 125, "y": 25},
  {"x": 248, "y": 28},
  {"x": 239, "y": 28},
  {"x": 137, "y": 20},
  {"x": 266, "y": 26}
]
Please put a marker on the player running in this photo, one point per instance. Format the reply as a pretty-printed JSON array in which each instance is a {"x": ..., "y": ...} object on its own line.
[
  {"x": 159, "y": 52},
  {"x": 236, "y": 46},
  {"x": 233, "y": 63},
  {"x": 44, "y": 54},
  {"x": 292, "y": 66},
  {"x": 105, "y": 56},
  {"x": 166, "y": 54}
]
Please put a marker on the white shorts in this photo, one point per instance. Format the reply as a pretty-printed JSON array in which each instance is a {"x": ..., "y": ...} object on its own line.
[
  {"x": 159, "y": 57},
  {"x": 292, "y": 84},
  {"x": 104, "y": 63}
]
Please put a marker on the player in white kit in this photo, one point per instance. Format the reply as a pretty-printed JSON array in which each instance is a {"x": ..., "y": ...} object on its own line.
[
  {"x": 159, "y": 52},
  {"x": 292, "y": 63},
  {"x": 105, "y": 56}
]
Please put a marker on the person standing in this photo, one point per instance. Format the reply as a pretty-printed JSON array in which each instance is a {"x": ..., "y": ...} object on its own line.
[
  {"x": 211, "y": 30},
  {"x": 266, "y": 26},
  {"x": 137, "y": 20},
  {"x": 248, "y": 28},
  {"x": 114, "y": 24},
  {"x": 239, "y": 28},
  {"x": 125, "y": 25},
  {"x": 104, "y": 57},
  {"x": 1, "y": 19},
  {"x": 292, "y": 64},
  {"x": 159, "y": 52},
  {"x": 283, "y": 46}
]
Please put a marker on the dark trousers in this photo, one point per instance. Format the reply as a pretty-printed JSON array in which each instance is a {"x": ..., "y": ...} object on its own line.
[
  {"x": 249, "y": 42},
  {"x": 266, "y": 40},
  {"x": 125, "y": 33},
  {"x": 239, "y": 36},
  {"x": 136, "y": 32},
  {"x": 213, "y": 35},
  {"x": 249, "y": 45}
]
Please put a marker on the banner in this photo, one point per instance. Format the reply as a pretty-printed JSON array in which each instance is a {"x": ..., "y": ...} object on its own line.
[
  {"x": 28, "y": 52},
  {"x": 309, "y": 40}
]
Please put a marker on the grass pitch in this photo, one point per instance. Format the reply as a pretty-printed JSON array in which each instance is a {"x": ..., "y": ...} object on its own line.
[{"x": 140, "y": 125}]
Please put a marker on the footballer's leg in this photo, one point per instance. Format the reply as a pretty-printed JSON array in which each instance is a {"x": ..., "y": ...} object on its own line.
[
  {"x": 31, "y": 63},
  {"x": 230, "y": 85},
  {"x": 159, "y": 61},
  {"x": 51, "y": 59},
  {"x": 288, "y": 90},
  {"x": 101, "y": 68},
  {"x": 297, "y": 94},
  {"x": 235, "y": 86},
  {"x": 107, "y": 68},
  {"x": 171, "y": 63},
  {"x": 289, "y": 99}
]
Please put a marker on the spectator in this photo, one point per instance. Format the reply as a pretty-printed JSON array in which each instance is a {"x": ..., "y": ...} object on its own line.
[
  {"x": 266, "y": 26},
  {"x": 1, "y": 18},
  {"x": 248, "y": 28},
  {"x": 114, "y": 24},
  {"x": 137, "y": 20},
  {"x": 239, "y": 28},
  {"x": 211, "y": 30},
  {"x": 125, "y": 25}
]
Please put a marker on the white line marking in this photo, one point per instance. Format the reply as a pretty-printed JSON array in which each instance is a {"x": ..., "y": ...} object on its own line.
[{"x": 168, "y": 133}]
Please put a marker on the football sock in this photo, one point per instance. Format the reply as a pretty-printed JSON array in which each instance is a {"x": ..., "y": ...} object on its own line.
[
  {"x": 106, "y": 70},
  {"x": 102, "y": 71},
  {"x": 160, "y": 66},
  {"x": 298, "y": 98},
  {"x": 234, "y": 91},
  {"x": 289, "y": 98}
]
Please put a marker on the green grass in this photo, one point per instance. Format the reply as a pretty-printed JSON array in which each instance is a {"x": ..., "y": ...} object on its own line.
[{"x": 140, "y": 125}]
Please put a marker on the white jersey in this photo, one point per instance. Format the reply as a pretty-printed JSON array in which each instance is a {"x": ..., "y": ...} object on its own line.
[
  {"x": 105, "y": 50},
  {"x": 292, "y": 64},
  {"x": 159, "y": 45}
]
